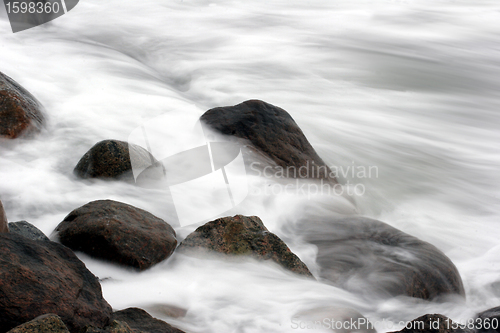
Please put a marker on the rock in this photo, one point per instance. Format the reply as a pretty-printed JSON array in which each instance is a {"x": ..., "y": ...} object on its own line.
[
  {"x": 370, "y": 257},
  {"x": 337, "y": 319},
  {"x": 171, "y": 311},
  {"x": 4, "y": 224},
  {"x": 48, "y": 323},
  {"x": 140, "y": 320},
  {"x": 27, "y": 230},
  {"x": 115, "y": 327},
  {"x": 243, "y": 235},
  {"x": 432, "y": 323},
  {"x": 119, "y": 233},
  {"x": 488, "y": 321},
  {"x": 273, "y": 133},
  {"x": 111, "y": 159},
  {"x": 37, "y": 278},
  {"x": 20, "y": 113}
]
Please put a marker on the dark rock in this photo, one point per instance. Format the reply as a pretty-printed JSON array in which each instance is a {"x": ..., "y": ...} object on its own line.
[
  {"x": 488, "y": 321},
  {"x": 118, "y": 232},
  {"x": 140, "y": 320},
  {"x": 368, "y": 256},
  {"x": 20, "y": 113},
  {"x": 171, "y": 311},
  {"x": 272, "y": 132},
  {"x": 115, "y": 327},
  {"x": 243, "y": 235},
  {"x": 27, "y": 230},
  {"x": 37, "y": 278},
  {"x": 4, "y": 224},
  {"x": 433, "y": 323},
  {"x": 49, "y": 323},
  {"x": 111, "y": 159}
]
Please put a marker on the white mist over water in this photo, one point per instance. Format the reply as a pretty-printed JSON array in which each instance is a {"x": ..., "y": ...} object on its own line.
[{"x": 411, "y": 87}]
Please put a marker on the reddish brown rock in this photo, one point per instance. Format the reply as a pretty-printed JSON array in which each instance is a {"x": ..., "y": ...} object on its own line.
[
  {"x": 272, "y": 132},
  {"x": 243, "y": 235},
  {"x": 118, "y": 232},
  {"x": 49, "y": 323},
  {"x": 4, "y": 224},
  {"x": 20, "y": 113},
  {"x": 37, "y": 278}
]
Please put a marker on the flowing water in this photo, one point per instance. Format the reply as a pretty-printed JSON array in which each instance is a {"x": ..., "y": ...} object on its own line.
[{"x": 408, "y": 88}]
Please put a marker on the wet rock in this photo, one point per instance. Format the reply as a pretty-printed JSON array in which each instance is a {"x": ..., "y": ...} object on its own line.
[
  {"x": 488, "y": 321},
  {"x": 37, "y": 278},
  {"x": 140, "y": 320},
  {"x": 433, "y": 323},
  {"x": 171, "y": 311},
  {"x": 4, "y": 224},
  {"x": 370, "y": 257},
  {"x": 111, "y": 159},
  {"x": 115, "y": 327},
  {"x": 118, "y": 232},
  {"x": 337, "y": 319},
  {"x": 272, "y": 132},
  {"x": 20, "y": 113},
  {"x": 49, "y": 323},
  {"x": 27, "y": 230},
  {"x": 243, "y": 235}
]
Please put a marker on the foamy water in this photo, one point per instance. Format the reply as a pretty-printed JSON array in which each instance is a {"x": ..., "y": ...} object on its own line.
[{"x": 408, "y": 87}]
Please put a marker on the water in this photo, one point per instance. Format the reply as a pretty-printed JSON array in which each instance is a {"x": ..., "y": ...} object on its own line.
[{"x": 408, "y": 87}]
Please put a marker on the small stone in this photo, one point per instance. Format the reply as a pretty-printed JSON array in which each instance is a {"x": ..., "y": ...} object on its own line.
[{"x": 48, "y": 323}]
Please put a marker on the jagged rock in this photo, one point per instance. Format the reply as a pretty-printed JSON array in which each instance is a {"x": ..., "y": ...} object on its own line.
[
  {"x": 243, "y": 235},
  {"x": 111, "y": 159},
  {"x": 140, "y": 320},
  {"x": 27, "y": 230},
  {"x": 272, "y": 132},
  {"x": 367, "y": 256},
  {"x": 118, "y": 232},
  {"x": 49, "y": 323},
  {"x": 4, "y": 224},
  {"x": 20, "y": 113},
  {"x": 37, "y": 278}
]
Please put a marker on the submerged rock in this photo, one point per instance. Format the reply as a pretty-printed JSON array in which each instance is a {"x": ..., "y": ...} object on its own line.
[
  {"x": 20, "y": 112},
  {"x": 37, "y": 278},
  {"x": 49, "y": 323},
  {"x": 272, "y": 132},
  {"x": 111, "y": 159},
  {"x": 118, "y": 232},
  {"x": 368, "y": 256},
  {"x": 27, "y": 230},
  {"x": 243, "y": 235},
  {"x": 142, "y": 321},
  {"x": 4, "y": 223}
]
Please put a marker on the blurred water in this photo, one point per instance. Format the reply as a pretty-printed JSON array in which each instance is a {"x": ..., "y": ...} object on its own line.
[{"x": 408, "y": 87}]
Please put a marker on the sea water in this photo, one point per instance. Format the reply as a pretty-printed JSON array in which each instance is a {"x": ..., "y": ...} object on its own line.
[{"x": 407, "y": 88}]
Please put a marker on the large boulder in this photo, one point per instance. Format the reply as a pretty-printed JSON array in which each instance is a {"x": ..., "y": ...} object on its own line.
[
  {"x": 27, "y": 230},
  {"x": 118, "y": 232},
  {"x": 20, "y": 113},
  {"x": 111, "y": 159},
  {"x": 142, "y": 321},
  {"x": 272, "y": 132},
  {"x": 49, "y": 323},
  {"x": 364, "y": 255},
  {"x": 4, "y": 224},
  {"x": 242, "y": 235},
  {"x": 37, "y": 278}
]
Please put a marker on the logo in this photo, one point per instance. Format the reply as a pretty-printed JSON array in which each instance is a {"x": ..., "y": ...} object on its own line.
[
  {"x": 204, "y": 175},
  {"x": 26, "y": 14}
]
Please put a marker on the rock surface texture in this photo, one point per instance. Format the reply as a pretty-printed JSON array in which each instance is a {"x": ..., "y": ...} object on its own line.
[
  {"x": 37, "y": 278},
  {"x": 243, "y": 235},
  {"x": 368, "y": 256},
  {"x": 119, "y": 233},
  {"x": 27, "y": 230},
  {"x": 49, "y": 323},
  {"x": 272, "y": 132},
  {"x": 142, "y": 321},
  {"x": 4, "y": 224},
  {"x": 20, "y": 113}
]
